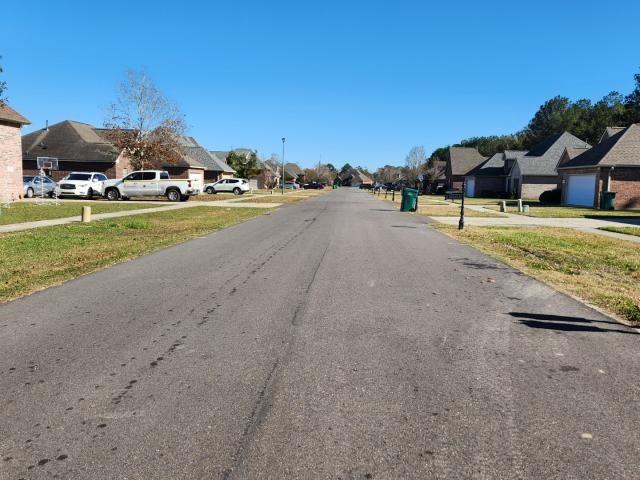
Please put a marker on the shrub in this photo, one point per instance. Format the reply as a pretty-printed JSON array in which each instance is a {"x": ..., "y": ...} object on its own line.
[{"x": 551, "y": 196}]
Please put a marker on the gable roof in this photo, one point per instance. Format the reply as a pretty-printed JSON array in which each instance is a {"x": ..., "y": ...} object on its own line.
[
  {"x": 9, "y": 115},
  {"x": 494, "y": 167},
  {"x": 543, "y": 159},
  {"x": 622, "y": 148},
  {"x": 610, "y": 132},
  {"x": 463, "y": 160},
  {"x": 220, "y": 161},
  {"x": 293, "y": 168},
  {"x": 69, "y": 141}
]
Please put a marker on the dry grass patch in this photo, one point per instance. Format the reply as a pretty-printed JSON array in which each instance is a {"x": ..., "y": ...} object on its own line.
[
  {"x": 21, "y": 212},
  {"x": 449, "y": 211},
  {"x": 76, "y": 249},
  {"x": 604, "y": 271},
  {"x": 274, "y": 199}
]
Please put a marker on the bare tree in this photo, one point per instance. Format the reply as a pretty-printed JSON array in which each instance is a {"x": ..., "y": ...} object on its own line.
[
  {"x": 144, "y": 123},
  {"x": 276, "y": 168},
  {"x": 414, "y": 163}
]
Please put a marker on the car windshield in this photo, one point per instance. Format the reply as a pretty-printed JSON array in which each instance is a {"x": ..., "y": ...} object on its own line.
[
  {"x": 27, "y": 179},
  {"x": 79, "y": 176}
]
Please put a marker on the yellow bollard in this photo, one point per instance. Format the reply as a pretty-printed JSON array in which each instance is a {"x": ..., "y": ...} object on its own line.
[{"x": 86, "y": 214}]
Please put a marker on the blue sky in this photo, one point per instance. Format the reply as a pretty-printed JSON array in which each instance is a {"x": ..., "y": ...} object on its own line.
[{"x": 345, "y": 81}]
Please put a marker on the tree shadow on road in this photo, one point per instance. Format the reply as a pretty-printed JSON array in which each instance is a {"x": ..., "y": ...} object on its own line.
[{"x": 567, "y": 324}]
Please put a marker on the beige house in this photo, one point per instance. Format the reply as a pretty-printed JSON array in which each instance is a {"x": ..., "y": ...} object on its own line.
[{"x": 10, "y": 153}]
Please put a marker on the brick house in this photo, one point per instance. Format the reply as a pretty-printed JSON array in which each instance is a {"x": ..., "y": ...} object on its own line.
[
  {"x": 611, "y": 165},
  {"x": 10, "y": 153},
  {"x": 536, "y": 171},
  {"x": 219, "y": 168},
  {"x": 79, "y": 147},
  {"x": 460, "y": 162},
  {"x": 490, "y": 179}
]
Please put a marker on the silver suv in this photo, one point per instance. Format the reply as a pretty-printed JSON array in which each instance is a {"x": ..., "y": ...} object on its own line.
[{"x": 237, "y": 186}]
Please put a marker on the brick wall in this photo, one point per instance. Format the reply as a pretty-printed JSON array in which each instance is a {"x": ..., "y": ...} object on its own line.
[
  {"x": 533, "y": 186},
  {"x": 10, "y": 162},
  {"x": 626, "y": 183}
]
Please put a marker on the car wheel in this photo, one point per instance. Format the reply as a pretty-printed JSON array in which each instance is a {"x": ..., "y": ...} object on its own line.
[
  {"x": 210, "y": 190},
  {"x": 29, "y": 192},
  {"x": 112, "y": 194},
  {"x": 173, "y": 195},
  {"x": 89, "y": 194},
  {"x": 236, "y": 191}
]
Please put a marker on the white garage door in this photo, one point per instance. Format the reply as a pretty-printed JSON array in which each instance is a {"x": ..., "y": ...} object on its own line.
[
  {"x": 580, "y": 190},
  {"x": 470, "y": 187}
]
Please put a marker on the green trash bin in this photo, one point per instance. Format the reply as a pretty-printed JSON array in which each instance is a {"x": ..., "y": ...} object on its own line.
[
  {"x": 409, "y": 202},
  {"x": 607, "y": 200},
  {"x": 335, "y": 187}
]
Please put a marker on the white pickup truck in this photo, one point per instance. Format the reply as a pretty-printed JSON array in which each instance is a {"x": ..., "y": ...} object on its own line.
[{"x": 150, "y": 183}]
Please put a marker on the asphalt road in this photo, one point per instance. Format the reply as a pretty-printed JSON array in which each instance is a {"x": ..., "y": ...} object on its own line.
[{"x": 334, "y": 338}]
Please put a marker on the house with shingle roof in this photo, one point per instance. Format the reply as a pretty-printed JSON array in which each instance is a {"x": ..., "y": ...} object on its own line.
[
  {"x": 11, "y": 173},
  {"x": 460, "y": 162},
  {"x": 536, "y": 172},
  {"x": 79, "y": 147},
  {"x": 613, "y": 165},
  {"x": 489, "y": 179}
]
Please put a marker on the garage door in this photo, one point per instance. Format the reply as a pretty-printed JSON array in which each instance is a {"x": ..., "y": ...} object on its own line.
[
  {"x": 580, "y": 190},
  {"x": 470, "y": 187}
]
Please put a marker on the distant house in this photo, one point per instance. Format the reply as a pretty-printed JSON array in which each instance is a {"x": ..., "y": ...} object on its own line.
[
  {"x": 460, "y": 162},
  {"x": 355, "y": 178},
  {"x": 10, "y": 153},
  {"x": 490, "y": 178},
  {"x": 611, "y": 165},
  {"x": 79, "y": 147},
  {"x": 435, "y": 177},
  {"x": 192, "y": 165},
  {"x": 219, "y": 168},
  {"x": 536, "y": 171},
  {"x": 266, "y": 178},
  {"x": 293, "y": 173}
]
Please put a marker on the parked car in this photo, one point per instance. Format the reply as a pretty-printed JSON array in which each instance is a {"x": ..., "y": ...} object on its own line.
[
  {"x": 237, "y": 186},
  {"x": 150, "y": 183},
  {"x": 81, "y": 184},
  {"x": 33, "y": 185},
  {"x": 290, "y": 186},
  {"x": 313, "y": 186}
]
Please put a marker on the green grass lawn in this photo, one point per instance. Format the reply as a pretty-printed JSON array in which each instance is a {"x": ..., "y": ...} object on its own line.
[
  {"x": 604, "y": 271},
  {"x": 69, "y": 251},
  {"x": 217, "y": 197},
  {"x": 20, "y": 212},
  {"x": 635, "y": 231}
]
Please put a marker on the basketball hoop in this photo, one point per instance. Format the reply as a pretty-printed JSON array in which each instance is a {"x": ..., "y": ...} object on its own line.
[{"x": 46, "y": 163}]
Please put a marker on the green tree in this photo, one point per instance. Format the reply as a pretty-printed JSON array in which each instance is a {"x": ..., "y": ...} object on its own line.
[
  {"x": 632, "y": 104},
  {"x": 3, "y": 84},
  {"x": 246, "y": 166},
  {"x": 346, "y": 168},
  {"x": 331, "y": 168}
]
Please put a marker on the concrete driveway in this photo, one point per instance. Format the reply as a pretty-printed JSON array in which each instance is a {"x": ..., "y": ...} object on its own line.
[{"x": 335, "y": 338}]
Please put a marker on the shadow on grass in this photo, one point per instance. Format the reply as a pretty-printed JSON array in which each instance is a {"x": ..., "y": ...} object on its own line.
[{"x": 566, "y": 324}]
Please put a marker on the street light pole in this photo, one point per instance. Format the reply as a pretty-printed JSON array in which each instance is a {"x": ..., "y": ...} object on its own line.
[{"x": 283, "y": 140}]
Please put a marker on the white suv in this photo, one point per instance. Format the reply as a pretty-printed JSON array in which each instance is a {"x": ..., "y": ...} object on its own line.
[
  {"x": 237, "y": 186},
  {"x": 81, "y": 184}
]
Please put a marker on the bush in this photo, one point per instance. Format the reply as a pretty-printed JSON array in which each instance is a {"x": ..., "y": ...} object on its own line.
[{"x": 551, "y": 196}]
